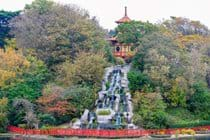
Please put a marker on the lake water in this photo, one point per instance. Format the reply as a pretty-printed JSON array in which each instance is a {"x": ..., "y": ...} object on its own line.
[{"x": 197, "y": 138}]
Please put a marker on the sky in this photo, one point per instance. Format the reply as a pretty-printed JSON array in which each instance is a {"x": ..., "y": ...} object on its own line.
[{"x": 108, "y": 11}]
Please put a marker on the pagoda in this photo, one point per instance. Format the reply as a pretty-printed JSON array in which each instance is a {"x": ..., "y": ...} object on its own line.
[{"x": 121, "y": 49}]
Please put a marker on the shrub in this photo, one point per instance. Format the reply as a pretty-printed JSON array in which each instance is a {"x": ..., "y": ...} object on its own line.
[
  {"x": 151, "y": 108},
  {"x": 190, "y": 124},
  {"x": 188, "y": 131},
  {"x": 138, "y": 81},
  {"x": 120, "y": 61},
  {"x": 199, "y": 102},
  {"x": 74, "y": 120},
  {"x": 107, "y": 85},
  {"x": 80, "y": 98},
  {"x": 161, "y": 132},
  {"x": 47, "y": 119},
  {"x": 46, "y": 127},
  {"x": 24, "y": 126},
  {"x": 104, "y": 112},
  {"x": 3, "y": 114},
  {"x": 203, "y": 129}
]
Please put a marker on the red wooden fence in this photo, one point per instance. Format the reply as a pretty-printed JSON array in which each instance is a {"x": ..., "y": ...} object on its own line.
[{"x": 95, "y": 132}]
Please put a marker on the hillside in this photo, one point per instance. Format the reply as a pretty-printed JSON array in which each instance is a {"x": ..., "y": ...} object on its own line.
[{"x": 53, "y": 59}]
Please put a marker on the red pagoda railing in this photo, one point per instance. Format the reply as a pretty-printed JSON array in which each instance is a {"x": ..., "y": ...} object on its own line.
[
  {"x": 96, "y": 133},
  {"x": 120, "y": 54},
  {"x": 124, "y": 54}
]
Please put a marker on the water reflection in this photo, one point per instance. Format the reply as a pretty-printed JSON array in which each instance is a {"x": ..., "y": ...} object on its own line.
[
  {"x": 196, "y": 138},
  {"x": 21, "y": 138}
]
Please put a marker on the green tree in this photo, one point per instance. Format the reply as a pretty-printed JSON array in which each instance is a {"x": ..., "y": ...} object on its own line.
[
  {"x": 109, "y": 55},
  {"x": 131, "y": 32},
  {"x": 87, "y": 69},
  {"x": 199, "y": 102},
  {"x": 138, "y": 61},
  {"x": 3, "y": 114},
  {"x": 5, "y": 17},
  {"x": 176, "y": 97},
  {"x": 138, "y": 81},
  {"x": 29, "y": 84},
  {"x": 81, "y": 98},
  {"x": 151, "y": 109},
  {"x": 174, "y": 58},
  {"x": 41, "y": 6}
]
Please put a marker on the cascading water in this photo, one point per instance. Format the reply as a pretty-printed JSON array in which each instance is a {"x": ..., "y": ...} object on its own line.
[{"x": 114, "y": 106}]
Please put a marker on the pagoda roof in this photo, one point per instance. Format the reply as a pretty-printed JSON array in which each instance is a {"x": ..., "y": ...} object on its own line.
[{"x": 124, "y": 19}]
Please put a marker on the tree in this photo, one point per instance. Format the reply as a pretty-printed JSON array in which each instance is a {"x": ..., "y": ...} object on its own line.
[
  {"x": 60, "y": 104},
  {"x": 52, "y": 101},
  {"x": 154, "y": 43},
  {"x": 151, "y": 109},
  {"x": 132, "y": 31},
  {"x": 12, "y": 64},
  {"x": 199, "y": 102},
  {"x": 173, "y": 62},
  {"x": 138, "y": 81},
  {"x": 81, "y": 98},
  {"x": 47, "y": 119},
  {"x": 5, "y": 17},
  {"x": 54, "y": 105},
  {"x": 157, "y": 66},
  {"x": 3, "y": 114},
  {"x": 57, "y": 32},
  {"x": 29, "y": 83},
  {"x": 109, "y": 55},
  {"x": 87, "y": 69},
  {"x": 186, "y": 26},
  {"x": 176, "y": 97},
  {"x": 41, "y": 6},
  {"x": 25, "y": 109},
  {"x": 138, "y": 61}
]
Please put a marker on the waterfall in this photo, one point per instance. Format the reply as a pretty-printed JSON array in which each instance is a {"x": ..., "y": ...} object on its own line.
[{"x": 114, "y": 107}]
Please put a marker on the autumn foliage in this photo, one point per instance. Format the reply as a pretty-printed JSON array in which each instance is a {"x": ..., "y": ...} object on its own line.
[
  {"x": 13, "y": 63},
  {"x": 52, "y": 102}
]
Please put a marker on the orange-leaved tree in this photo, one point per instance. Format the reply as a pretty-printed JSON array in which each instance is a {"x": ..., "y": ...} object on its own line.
[
  {"x": 12, "y": 63},
  {"x": 53, "y": 102}
]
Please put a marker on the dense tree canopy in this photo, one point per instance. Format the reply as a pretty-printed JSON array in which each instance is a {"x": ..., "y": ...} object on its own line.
[
  {"x": 171, "y": 61},
  {"x": 87, "y": 69},
  {"x": 5, "y": 17},
  {"x": 186, "y": 26},
  {"x": 13, "y": 64},
  {"x": 57, "y": 32},
  {"x": 54, "y": 64},
  {"x": 52, "y": 69},
  {"x": 132, "y": 31},
  {"x": 3, "y": 114},
  {"x": 149, "y": 110}
]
